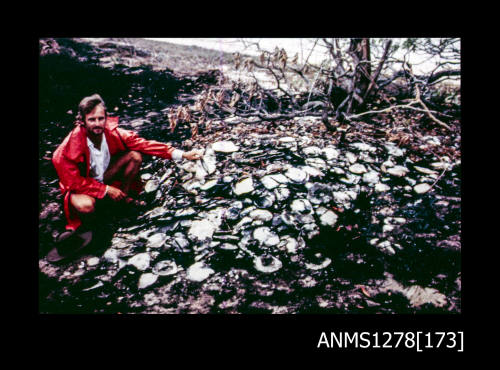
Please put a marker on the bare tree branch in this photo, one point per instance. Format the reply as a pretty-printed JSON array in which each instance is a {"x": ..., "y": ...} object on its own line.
[
  {"x": 341, "y": 86},
  {"x": 378, "y": 70},
  {"x": 417, "y": 98}
]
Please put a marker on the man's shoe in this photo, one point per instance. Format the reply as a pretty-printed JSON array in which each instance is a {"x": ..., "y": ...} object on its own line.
[{"x": 68, "y": 244}]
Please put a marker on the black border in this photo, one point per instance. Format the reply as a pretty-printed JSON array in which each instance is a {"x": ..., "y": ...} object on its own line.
[{"x": 222, "y": 334}]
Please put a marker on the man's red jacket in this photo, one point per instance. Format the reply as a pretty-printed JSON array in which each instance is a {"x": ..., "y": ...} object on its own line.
[{"x": 72, "y": 161}]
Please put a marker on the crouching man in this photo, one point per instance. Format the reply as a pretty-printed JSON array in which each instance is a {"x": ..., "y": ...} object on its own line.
[{"x": 97, "y": 160}]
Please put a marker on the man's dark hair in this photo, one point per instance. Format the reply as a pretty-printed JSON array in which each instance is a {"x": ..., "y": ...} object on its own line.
[{"x": 87, "y": 105}]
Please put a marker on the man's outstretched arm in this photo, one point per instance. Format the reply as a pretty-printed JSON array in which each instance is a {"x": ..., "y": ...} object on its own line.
[{"x": 152, "y": 147}]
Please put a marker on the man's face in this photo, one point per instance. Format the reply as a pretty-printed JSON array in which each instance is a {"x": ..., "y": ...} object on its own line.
[{"x": 96, "y": 120}]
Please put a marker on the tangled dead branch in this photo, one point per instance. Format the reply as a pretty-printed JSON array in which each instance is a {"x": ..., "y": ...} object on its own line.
[{"x": 342, "y": 89}]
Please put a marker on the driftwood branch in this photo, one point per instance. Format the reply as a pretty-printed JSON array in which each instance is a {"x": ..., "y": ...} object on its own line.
[
  {"x": 408, "y": 106},
  {"x": 431, "y": 116}
]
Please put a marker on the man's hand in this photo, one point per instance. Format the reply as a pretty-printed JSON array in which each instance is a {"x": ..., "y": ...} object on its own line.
[
  {"x": 192, "y": 155},
  {"x": 115, "y": 193}
]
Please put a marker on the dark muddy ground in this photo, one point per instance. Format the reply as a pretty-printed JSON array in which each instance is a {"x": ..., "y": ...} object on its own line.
[{"x": 423, "y": 275}]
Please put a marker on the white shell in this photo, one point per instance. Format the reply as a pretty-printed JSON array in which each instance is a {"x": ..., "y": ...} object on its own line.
[
  {"x": 244, "y": 186},
  {"x": 140, "y": 261},
  {"x": 266, "y": 236},
  {"x": 371, "y": 177},
  {"x": 312, "y": 151},
  {"x": 261, "y": 214},
  {"x": 164, "y": 268},
  {"x": 201, "y": 230},
  {"x": 322, "y": 265},
  {"x": 421, "y": 188},
  {"x": 296, "y": 175},
  {"x": 398, "y": 171},
  {"x": 291, "y": 245},
  {"x": 92, "y": 261},
  {"x": 329, "y": 218},
  {"x": 151, "y": 185},
  {"x": 147, "y": 279},
  {"x": 363, "y": 147},
  {"x": 225, "y": 147},
  {"x": 199, "y": 272},
  {"x": 156, "y": 240},
  {"x": 300, "y": 205},
  {"x": 357, "y": 168},
  {"x": 281, "y": 193},
  {"x": 111, "y": 255},
  {"x": 287, "y": 139},
  {"x": 424, "y": 170},
  {"x": 382, "y": 187},
  {"x": 351, "y": 157},
  {"x": 330, "y": 153},
  {"x": 392, "y": 149},
  {"x": 209, "y": 184},
  {"x": 312, "y": 171}
]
